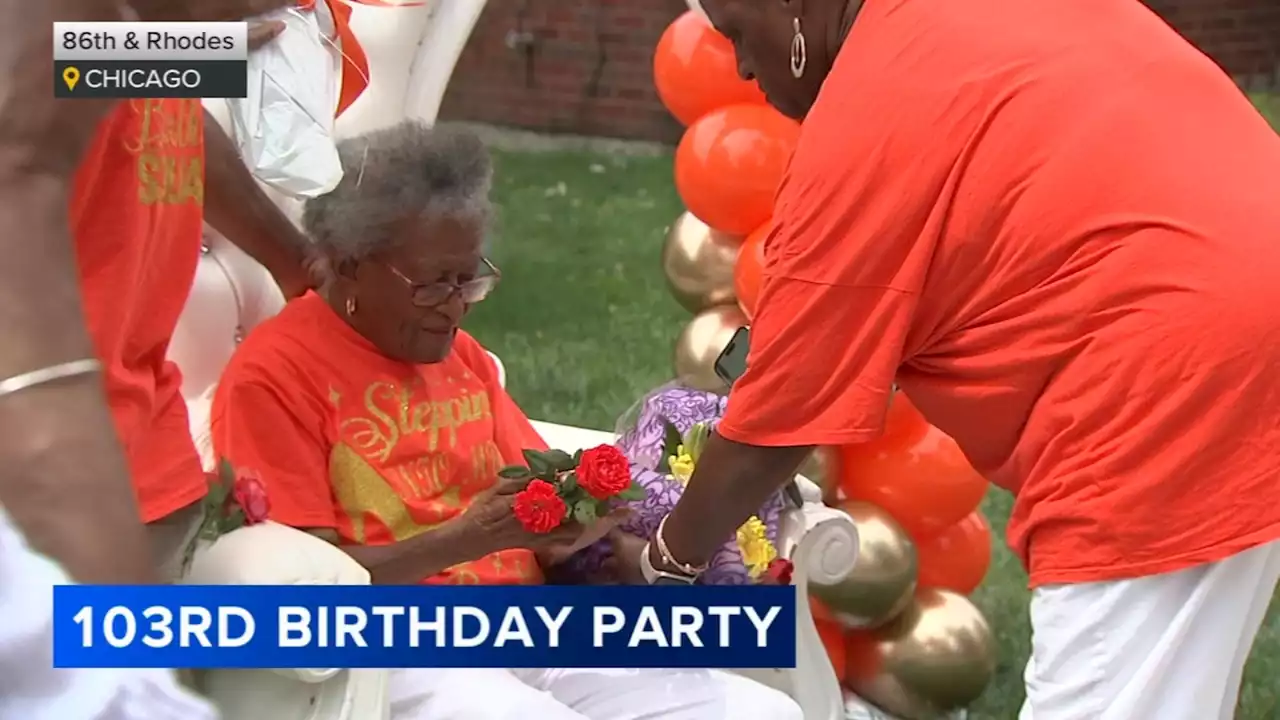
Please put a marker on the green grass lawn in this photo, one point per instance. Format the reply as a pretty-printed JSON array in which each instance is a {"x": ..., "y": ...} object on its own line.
[
  {"x": 1269, "y": 105},
  {"x": 585, "y": 327}
]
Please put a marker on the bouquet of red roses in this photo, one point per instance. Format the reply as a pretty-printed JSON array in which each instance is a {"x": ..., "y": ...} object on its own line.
[{"x": 581, "y": 487}]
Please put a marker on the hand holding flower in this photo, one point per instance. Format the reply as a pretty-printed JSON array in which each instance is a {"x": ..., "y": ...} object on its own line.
[
  {"x": 539, "y": 508},
  {"x": 516, "y": 514},
  {"x": 578, "y": 488}
]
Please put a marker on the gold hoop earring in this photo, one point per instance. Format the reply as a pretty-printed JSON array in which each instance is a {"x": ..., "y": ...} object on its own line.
[
  {"x": 351, "y": 305},
  {"x": 799, "y": 51}
]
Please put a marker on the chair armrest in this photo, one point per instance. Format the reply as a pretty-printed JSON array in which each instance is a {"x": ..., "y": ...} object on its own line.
[
  {"x": 501, "y": 368},
  {"x": 274, "y": 554},
  {"x": 570, "y": 438},
  {"x": 823, "y": 544},
  {"x": 821, "y": 541}
]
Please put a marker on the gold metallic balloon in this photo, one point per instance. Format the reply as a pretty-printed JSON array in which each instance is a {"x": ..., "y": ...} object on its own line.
[
  {"x": 698, "y": 263},
  {"x": 701, "y": 342},
  {"x": 822, "y": 467},
  {"x": 883, "y": 579},
  {"x": 936, "y": 657}
]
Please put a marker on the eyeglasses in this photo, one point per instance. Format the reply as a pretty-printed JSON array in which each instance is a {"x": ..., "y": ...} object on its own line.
[{"x": 438, "y": 293}]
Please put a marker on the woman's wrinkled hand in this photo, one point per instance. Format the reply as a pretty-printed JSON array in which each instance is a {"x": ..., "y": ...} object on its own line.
[
  {"x": 624, "y": 564},
  {"x": 491, "y": 521},
  {"x": 556, "y": 553}
]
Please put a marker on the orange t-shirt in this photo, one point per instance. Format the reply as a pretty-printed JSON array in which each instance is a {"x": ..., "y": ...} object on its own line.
[
  {"x": 137, "y": 217},
  {"x": 1055, "y": 223},
  {"x": 376, "y": 449}
]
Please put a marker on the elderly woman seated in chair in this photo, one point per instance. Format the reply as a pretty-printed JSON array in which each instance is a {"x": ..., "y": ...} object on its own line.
[{"x": 377, "y": 423}]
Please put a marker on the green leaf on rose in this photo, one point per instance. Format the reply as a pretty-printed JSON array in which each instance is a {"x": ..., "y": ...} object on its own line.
[
  {"x": 584, "y": 511},
  {"x": 560, "y": 460},
  {"x": 515, "y": 472},
  {"x": 568, "y": 485},
  {"x": 634, "y": 491},
  {"x": 539, "y": 464},
  {"x": 221, "y": 487},
  {"x": 226, "y": 473},
  {"x": 577, "y": 457},
  {"x": 233, "y": 520}
]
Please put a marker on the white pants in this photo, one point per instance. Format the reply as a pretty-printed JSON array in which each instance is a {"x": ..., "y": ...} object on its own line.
[
  {"x": 1165, "y": 647},
  {"x": 428, "y": 694}
]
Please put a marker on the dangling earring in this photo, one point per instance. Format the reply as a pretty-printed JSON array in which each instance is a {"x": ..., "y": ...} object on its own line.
[
  {"x": 799, "y": 51},
  {"x": 351, "y": 305}
]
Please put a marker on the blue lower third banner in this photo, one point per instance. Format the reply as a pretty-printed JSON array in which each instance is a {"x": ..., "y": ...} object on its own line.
[{"x": 255, "y": 626}]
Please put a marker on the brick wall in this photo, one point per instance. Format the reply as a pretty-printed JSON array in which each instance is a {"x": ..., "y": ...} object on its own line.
[
  {"x": 568, "y": 66},
  {"x": 1242, "y": 35},
  {"x": 584, "y": 66}
]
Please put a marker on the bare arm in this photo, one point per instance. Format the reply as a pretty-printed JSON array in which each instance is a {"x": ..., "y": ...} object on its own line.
[
  {"x": 238, "y": 208},
  {"x": 729, "y": 484},
  {"x": 63, "y": 475},
  {"x": 409, "y": 561}
]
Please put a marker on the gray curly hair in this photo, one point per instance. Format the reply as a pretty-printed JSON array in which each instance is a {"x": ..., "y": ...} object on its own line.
[{"x": 409, "y": 170}]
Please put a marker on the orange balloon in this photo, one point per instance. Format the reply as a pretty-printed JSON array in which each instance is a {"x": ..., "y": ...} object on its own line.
[
  {"x": 696, "y": 71},
  {"x": 958, "y": 558},
  {"x": 748, "y": 270},
  {"x": 729, "y": 164},
  {"x": 914, "y": 472}
]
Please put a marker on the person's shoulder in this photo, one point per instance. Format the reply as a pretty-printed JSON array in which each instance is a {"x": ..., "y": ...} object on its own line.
[{"x": 279, "y": 345}]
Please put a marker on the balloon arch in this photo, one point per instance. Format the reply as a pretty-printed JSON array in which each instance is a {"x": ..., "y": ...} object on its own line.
[{"x": 899, "y": 630}]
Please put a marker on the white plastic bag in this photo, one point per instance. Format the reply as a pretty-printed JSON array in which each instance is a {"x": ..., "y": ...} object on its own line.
[{"x": 284, "y": 128}]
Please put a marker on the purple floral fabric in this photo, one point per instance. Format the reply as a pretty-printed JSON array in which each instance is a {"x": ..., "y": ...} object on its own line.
[
  {"x": 643, "y": 444},
  {"x": 681, "y": 406}
]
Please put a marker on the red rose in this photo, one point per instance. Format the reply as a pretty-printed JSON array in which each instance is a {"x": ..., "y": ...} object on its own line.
[
  {"x": 778, "y": 572},
  {"x": 251, "y": 495},
  {"x": 539, "y": 508},
  {"x": 604, "y": 472}
]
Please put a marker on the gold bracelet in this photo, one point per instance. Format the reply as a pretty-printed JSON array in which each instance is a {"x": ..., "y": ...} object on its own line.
[
  {"x": 48, "y": 374},
  {"x": 661, "y": 543}
]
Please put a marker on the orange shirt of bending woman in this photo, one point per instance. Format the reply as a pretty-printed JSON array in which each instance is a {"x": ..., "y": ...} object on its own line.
[{"x": 377, "y": 450}]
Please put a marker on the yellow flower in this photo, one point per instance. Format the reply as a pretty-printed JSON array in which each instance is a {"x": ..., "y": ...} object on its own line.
[
  {"x": 753, "y": 540},
  {"x": 681, "y": 465},
  {"x": 757, "y": 551}
]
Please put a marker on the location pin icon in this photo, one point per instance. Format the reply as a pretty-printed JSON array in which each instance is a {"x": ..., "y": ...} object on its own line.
[{"x": 71, "y": 76}]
